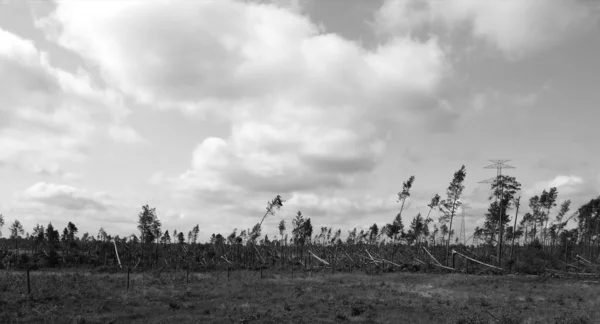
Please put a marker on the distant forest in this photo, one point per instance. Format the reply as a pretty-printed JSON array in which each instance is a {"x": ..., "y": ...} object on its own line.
[{"x": 535, "y": 242}]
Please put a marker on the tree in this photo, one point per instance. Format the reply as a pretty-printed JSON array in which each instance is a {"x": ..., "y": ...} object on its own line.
[
  {"x": 449, "y": 205},
  {"x": 38, "y": 234},
  {"x": 351, "y": 239},
  {"x": 255, "y": 233},
  {"x": 537, "y": 217},
  {"x": 102, "y": 235},
  {"x": 336, "y": 237},
  {"x": 491, "y": 222},
  {"x": 195, "y": 232},
  {"x": 435, "y": 202},
  {"x": 219, "y": 239},
  {"x": 417, "y": 229},
  {"x": 514, "y": 228},
  {"x": 272, "y": 206},
  {"x": 444, "y": 231},
  {"x": 166, "y": 239},
  {"x": 434, "y": 233},
  {"x": 373, "y": 232},
  {"x": 527, "y": 221},
  {"x": 564, "y": 209},
  {"x": 16, "y": 230},
  {"x": 156, "y": 228},
  {"x": 281, "y": 228},
  {"x": 588, "y": 224},
  {"x": 504, "y": 188},
  {"x": 302, "y": 229},
  {"x": 146, "y": 219},
  {"x": 65, "y": 236},
  {"x": 72, "y": 231},
  {"x": 308, "y": 230},
  {"x": 547, "y": 202},
  {"x": 1, "y": 224},
  {"x": 52, "y": 236},
  {"x": 405, "y": 193},
  {"x": 395, "y": 229},
  {"x": 232, "y": 236},
  {"x": 181, "y": 238}
]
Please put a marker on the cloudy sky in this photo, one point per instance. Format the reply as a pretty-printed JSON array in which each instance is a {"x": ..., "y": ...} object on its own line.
[{"x": 207, "y": 109}]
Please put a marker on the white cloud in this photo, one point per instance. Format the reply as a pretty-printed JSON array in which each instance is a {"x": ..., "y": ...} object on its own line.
[
  {"x": 307, "y": 109},
  {"x": 125, "y": 134},
  {"x": 565, "y": 184},
  {"x": 64, "y": 197},
  {"x": 52, "y": 114},
  {"x": 517, "y": 28}
]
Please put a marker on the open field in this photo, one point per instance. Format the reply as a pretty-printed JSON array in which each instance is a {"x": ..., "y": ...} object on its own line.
[{"x": 175, "y": 297}]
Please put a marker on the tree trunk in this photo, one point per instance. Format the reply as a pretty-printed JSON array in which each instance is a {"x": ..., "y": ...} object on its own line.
[
  {"x": 500, "y": 225},
  {"x": 449, "y": 234},
  {"x": 512, "y": 245}
]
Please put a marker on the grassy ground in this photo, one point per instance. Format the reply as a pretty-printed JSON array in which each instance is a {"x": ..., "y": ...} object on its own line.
[{"x": 88, "y": 297}]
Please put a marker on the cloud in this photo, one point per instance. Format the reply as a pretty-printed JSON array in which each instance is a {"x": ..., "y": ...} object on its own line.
[
  {"x": 517, "y": 28},
  {"x": 307, "y": 109},
  {"x": 48, "y": 114},
  {"x": 125, "y": 134},
  {"x": 564, "y": 183},
  {"x": 64, "y": 197},
  {"x": 53, "y": 169}
]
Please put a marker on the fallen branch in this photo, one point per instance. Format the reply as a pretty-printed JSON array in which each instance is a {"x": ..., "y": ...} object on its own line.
[
  {"x": 434, "y": 259},
  {"x": 364, "y": 257},
  {"x": 437, "y": 265},
  {"x": 476, "y": 261},
  {"x": 392, "y": 263},
  {"x": 348, "y": 256},
  {"x": 260, "y": 255},
  {"x": 117, "y": 253},
  {"x": 372, "y": 258},
  {"x": 586, "y": 261},
  {"x": 569, "y": 265},
  {"x": 316, "y": 257}
]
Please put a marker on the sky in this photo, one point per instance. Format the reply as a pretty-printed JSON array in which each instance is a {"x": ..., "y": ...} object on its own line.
[{"x": 207, "y": 109}]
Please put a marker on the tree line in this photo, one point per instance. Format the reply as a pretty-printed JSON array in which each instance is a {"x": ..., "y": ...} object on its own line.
[{"x": 539, "y": 234}]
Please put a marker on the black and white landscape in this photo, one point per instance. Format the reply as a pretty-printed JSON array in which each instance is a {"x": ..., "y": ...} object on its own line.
[{"x": 349, "y": 160}]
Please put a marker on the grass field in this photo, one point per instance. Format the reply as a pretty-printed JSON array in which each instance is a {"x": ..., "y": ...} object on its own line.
[{"x": 93, "y": 297}]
